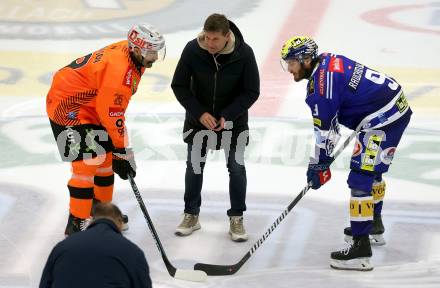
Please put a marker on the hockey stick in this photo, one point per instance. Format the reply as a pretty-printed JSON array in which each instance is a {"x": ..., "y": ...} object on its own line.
[
  {"x": 219, "y": 270},
  {"x": 183, "y": 274}
]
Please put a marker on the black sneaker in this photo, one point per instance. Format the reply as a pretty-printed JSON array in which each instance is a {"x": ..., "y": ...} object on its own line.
[
  {"x": 354, "y": 257},
  {"x": 376, "y": 233},
  {"x": 75, "y": 224}
]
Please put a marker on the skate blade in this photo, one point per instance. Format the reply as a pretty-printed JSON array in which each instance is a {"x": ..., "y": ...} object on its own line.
[
  {"x": 358, "y": 264},
  {"x": 375, "y": 239}
]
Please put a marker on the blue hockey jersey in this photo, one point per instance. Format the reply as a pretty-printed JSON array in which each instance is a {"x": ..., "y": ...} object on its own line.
[{"x": 343, "y": 91}]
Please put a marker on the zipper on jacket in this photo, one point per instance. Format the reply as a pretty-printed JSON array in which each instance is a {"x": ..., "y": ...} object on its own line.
[
  {"x": 215, "y": 90},
  {"x": 215, "y": 83}
]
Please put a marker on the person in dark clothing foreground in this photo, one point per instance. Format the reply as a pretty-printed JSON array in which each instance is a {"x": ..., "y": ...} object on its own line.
[{"x": 98, "y": 257}]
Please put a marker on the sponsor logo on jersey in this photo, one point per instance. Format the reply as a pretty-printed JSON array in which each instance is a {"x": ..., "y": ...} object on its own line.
[
  {"x": 357, "y": 148},
  {"x": 356, "y": 77},
  {"x": 336, "y": 65},
  {"x": 401, "y": 103},
  {"x": 321, "y": 81},
  {"x": 371, "y": 151},
  {"x": 115, "y": 112},
  {"x": 128, "y": 78},
  {"x": 387, "y": 155}
]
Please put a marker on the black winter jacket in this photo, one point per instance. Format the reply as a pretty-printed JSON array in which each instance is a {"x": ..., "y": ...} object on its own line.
[
  {"x": 98, "y": 257},
  {"x": 228, "y": 90}
]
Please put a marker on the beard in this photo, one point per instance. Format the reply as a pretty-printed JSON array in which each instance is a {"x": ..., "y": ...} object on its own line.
[
  {"x": 148, "y": 64},
  {"x": 306, "y": 72}
]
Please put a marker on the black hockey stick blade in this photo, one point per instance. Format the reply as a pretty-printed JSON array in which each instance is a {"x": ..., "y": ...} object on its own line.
[
  {"x": 222, "y": 270},
  {"x": 183, "y": 274}
]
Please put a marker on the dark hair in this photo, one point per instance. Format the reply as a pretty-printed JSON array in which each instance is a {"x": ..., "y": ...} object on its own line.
[
  {"x": 216, "y": 23},
  {"x": 108, "y": 211}
]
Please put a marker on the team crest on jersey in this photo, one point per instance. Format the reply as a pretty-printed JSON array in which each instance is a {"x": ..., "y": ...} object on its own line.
[
  {"x": 118, "y": 98},
  {"x": 336, "y": 65}
]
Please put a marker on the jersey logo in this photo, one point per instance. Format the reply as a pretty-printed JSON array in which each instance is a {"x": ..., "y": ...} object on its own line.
[
  {"x": 118, "y": 99},
  {"x": 128, "y": 78},
  {"x": 115, "y": 112},
  {"x": 401, "y": 103},
  {"x": 357, "y": 148},
  {"x": 387, "y": 155},
  {"x": 336, "y": 65},
  {"x": 372, "y": 149}
]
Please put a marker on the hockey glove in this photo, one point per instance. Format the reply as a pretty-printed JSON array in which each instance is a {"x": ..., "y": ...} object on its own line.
[
  {"x": 123, "y": 162},
  {"x": 318, "y": 174}
]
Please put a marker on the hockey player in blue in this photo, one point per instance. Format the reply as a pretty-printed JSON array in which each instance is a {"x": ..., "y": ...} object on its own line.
[{"x": 343, "y": 91}]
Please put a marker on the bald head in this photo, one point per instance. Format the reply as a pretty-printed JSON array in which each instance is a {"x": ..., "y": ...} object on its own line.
[{"x": 108, "y": 211}]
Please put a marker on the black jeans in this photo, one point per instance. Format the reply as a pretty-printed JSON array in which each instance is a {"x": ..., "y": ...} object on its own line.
[{"x": 195, "y": 165}]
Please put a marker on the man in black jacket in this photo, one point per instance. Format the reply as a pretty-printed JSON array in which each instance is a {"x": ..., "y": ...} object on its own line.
[
  {"x": 216, "y": 81},
  {"x": 97, "y": 257}
]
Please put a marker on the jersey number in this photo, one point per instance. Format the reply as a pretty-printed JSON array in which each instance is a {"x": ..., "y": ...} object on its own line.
[
  {"x": 78, "y": 63},
  {"x": 379, "y": 78}
]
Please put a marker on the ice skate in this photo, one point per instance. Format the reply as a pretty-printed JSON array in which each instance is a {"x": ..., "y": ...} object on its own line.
[{"x": 356, "y": 256}]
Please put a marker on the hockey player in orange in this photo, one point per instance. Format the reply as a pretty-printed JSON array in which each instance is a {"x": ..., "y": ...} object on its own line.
[{"x": 86, "y": 106}]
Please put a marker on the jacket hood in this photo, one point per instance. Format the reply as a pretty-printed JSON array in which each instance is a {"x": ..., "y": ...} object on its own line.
[{"x": 234, "y": 42}]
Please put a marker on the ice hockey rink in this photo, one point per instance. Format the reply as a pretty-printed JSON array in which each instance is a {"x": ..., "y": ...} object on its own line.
[{"x": 400, "y": 38}]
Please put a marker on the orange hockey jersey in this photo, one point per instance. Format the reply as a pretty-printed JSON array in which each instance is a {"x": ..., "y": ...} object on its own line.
[{"x": 96, "y": 89}]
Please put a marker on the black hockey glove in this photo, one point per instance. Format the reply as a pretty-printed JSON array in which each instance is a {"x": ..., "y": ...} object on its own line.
[
  {"x": 123, "y": 162},
  {"x": 318, "y": 174}
]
